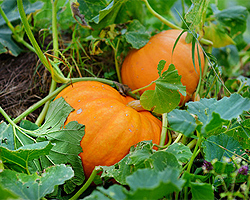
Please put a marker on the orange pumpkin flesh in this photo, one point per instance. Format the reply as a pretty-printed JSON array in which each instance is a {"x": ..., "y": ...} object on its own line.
[
  {"x": 140, "y": 66},
  {"x": 111, "y": 127}
]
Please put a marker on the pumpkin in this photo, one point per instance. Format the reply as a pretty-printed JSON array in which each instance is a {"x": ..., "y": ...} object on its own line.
[
  {"x": 140, "y": 66},
  {"x": 111, "y": 127}
]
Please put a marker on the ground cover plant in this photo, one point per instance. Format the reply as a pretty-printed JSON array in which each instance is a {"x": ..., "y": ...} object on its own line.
[{"x": 100, "y": 131}]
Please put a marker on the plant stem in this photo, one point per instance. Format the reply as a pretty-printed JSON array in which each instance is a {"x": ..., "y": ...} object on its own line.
[
  {"x": 162, "y": 19},
  {"x": 142, "y": 88},
  {"x": 17, "y": 37},
  {"x": 164, "y": 129},
  {"x": 39, "y": 104},
  {"x": 35, "y": 44},
  {"x": 194, "y": 152},
  {"x": 53, "y": 85},
  {"x": 170, "y": 24},
  {"x": 116, "y": 63},
  {"x": 86, "y": 185}
]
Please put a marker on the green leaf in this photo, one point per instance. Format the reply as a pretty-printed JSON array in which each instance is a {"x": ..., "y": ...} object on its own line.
[
  {"x": 181, "y": 152},
  {"x": 20, "y": 157},
  {"x": 218, "y": 35},
  {"x": 202, "y": 191},
  {"x": 220, "y": 147},
  {"x": 149, "y": 184},
  {"x": 181, "y": 121},
  {"x": 35, "y": 186},
  {"x": 10, "y": 9},
  {"x": 139, "y": 157},
  {"x": 161, "y": 66},
  {"x": 228, "y": 108},
  {"x": 166, "y": 90},
  {"x": 234, "y": 18},
  {"x": 56, "y": 116},
  {"x": 113, "y": 192},
  {"x": 136, "y": 34},
  {"x": 7, "y": 194},
  {"x": 241, "y": 133},
  {"x": 6, "y": 136},
  {"x": 196, "y": 16}
]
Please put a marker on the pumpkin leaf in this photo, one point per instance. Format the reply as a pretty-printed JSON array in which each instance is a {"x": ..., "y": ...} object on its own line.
[
  {"x": 227, "y": 108},
  {"x": 196, "y": 17},
  {"x": 140, "y": 157},
  {"x": 35, "y": 186},
  {"x": 202, "y": 191},
  {"x": 181, "y": 152},
  {"x": 143, "y": 184},
  {"x": 221, "y": 146},
  {"x": 66, "y": 139},
  {"x": 100, "y": 14},
  {"x": 234, "y": 18},
  {"x": 7, "y": 43},
  {"x": 19, "y": 159},
  {"x": 218, "y": 35},
  {"x": 6, "y": 136},
  {"x": 136, "y": 34},
  {"x": 182, "y": 121},
  {"x": 167, "y": 89},
  {"x": 241, "y": 132},
  {"x": 7, "y": 194}
]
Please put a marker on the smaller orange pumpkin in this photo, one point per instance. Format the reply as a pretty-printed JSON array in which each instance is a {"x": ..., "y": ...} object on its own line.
[
  {"x": 140, "y": 66},
  {"x": 111, "y": 127}
]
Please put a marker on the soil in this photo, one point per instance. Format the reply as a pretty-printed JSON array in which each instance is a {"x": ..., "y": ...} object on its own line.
[{"x": 23, "y": 82}]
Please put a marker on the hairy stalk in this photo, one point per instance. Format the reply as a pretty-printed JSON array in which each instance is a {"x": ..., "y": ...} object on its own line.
[
  {"x": 17, "y": 37},
  {"x": 142, "y": 88},
  {"x": 164, "y": 129},
  {"x": 170, "y": 24},
  {"x": 53, "y": 85},
  {"x": 35, "y": 45},
  {"x": 86, "y": 185}
]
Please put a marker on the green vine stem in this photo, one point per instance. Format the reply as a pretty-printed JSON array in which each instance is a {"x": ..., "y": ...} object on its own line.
[
  {"x": 17, "y": 37},
  {"x": 196, "y": 149},
  {"x": 55, "y": 74},
  {"x": 164, "y": 129},
  {"x": 86, "y": 185},
  {"x": 53, "y": 85},
  {"x": 170, "y": 24}
]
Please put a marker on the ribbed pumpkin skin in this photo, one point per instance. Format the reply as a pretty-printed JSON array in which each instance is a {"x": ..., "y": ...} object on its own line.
[
  {"x": 111, "y": 127},
  {"x": 140, "y": 66}
]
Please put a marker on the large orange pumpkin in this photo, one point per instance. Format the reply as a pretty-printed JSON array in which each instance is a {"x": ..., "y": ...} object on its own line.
[
  {"x": 111, "y": 127},
  {"x": 140, "y": 66}
]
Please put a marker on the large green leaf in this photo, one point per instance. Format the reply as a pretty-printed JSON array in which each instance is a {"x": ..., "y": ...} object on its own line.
[
  {"x": 143, "y": 184},
  {"x": 149, "y": 184},
  {"x": 35, "y": 186},
  {"x": 166, "y": 95},
  {"x": 18, "y": 159},
  {"x": 241, "y": 132},
  {"x": 66, "y": 139},
  {"x": 6, "y": 136},
  {"x": 234, "y": 18},
  {"x": 181, "y": 121},
  {"x": 139, "y": 157},
  {"x": 227, "y": 108},
  {"x": 202, "y": 191},
  {"x": 10, "y": 9},
  {"x": 181, "y": 152},
  {"x": 136, "y": 34},
  {"x": 220, "y": 146}
]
